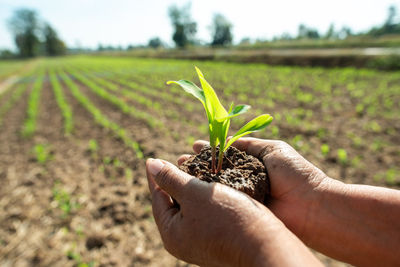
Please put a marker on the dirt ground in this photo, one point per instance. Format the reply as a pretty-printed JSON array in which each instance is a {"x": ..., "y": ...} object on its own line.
[{"x": 109, "y": 222}]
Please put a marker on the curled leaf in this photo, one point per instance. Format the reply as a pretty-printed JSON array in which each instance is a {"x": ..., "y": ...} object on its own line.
[{"x": 235, "y": 111}]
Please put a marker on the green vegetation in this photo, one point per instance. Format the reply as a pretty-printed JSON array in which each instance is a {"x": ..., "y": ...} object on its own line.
[
  {"x": 76, "y": 257},
  {"x": 63, "y": 200},
  {"x": 343, "y": 120},
  {"x": 219, "y": 118},
  {"x": 16, "y": 95},
  {"x": 325, "y": 149},
  {"x": 93, "y": 146},
  {"x": 99, "y": 117},
  {"x": 342, "y": 156},
  {"x": 27, "y": 29},
  {"x": 390, "y": 176},
  {"x": 42, "y": 153},
  {"x": 33, "y": 106},
  {"x": 358, "y": 108},
  {"x": 62, "y": 103},
  {"x": 184, "y": 27},
  {"x": 122, "y": 105}
]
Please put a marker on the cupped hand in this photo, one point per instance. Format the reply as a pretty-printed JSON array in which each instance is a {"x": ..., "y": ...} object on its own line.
[
  {"x": 295, "y": 182},
  {"x": 215, "y": 225}
]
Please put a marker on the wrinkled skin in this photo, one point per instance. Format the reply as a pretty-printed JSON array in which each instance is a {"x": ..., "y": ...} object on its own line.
[{"x": 216, "y": 225}]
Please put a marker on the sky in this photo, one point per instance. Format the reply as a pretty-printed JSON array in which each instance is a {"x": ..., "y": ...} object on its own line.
[{"x": 87, "y": 23}]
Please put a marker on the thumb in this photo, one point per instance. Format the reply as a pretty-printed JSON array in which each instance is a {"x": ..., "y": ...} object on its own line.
[{"x": 168, "y": 177}]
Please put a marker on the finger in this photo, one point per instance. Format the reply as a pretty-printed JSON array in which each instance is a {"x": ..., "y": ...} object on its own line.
[
  {"x": 168, "y": 177},
  {"x": 150, "y": 181},
  {"x": 183, "y": 158},
  {"x": 254, "y": 146},
  {"x": 163, "y": 208},
  {"x": 198, "y": 145}
]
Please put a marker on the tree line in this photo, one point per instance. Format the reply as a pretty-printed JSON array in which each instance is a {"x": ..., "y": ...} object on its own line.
[
  {"x": 221, "y": 29},
  {"x": 33, "y": 36},
  {"x": 391, "y": 25}
]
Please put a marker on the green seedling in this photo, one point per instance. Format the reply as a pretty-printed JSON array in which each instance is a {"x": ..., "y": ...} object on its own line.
[
  {"x": 42, "y": 153},
  {"x": 219, "y": 118},
  {"x": 63, "y": 200},
  {"x": 325, "y": 149},
  {"x": 342, "y": 156},
  {"x": 93, "y": 146},
  {"x": 107, "y": 160}
]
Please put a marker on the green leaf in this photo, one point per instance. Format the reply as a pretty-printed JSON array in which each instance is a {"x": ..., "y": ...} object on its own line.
[
  {"x": 236, "y": 111},
  {"x": 230, "y": 108},
  {"x": 252, "y": 126},
  {"x": 212, "y": 102},
  {"x": 191, "y": 88}
]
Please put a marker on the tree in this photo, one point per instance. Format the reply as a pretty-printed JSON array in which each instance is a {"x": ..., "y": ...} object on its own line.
[
  {"x": 390, "y": 23},
  {"x": 390, "y": 26},
  {"x": 24, "y": 25},
  {"x": 221, "y": 31},
  {"x": 155, "y": 42},
  {"x": 331, "y": 34},
  {"x": 392, "y": 12},
  {"x": 245, "y": 41},
  {"x": 345, "y": 32},
  {"x": 52, "y": 44},
  {"x": 184, "y": 27},
  {"x": 308, "y": 33},
  {"x": 6, "y": 54}
]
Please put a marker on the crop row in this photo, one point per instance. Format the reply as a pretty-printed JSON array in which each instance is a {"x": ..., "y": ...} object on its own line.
[
  {"x": 142, "y": 95},
  {"x": 153, "y": 105},
  {"x": 32, "y": 112},
  {"x": 17, "y": 93},
  {"x": 118, "y": 102},
  {"x": 123, "y": 78},
  {"x": 99, "y": 117},
  {"x": 65, "y": 108}
]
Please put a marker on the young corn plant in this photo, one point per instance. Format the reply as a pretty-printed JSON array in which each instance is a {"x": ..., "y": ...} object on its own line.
[{"x": 219, "y": 118}]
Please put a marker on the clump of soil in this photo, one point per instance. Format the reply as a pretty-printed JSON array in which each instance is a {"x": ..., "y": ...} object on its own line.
[{"x": 239, "y": 171}]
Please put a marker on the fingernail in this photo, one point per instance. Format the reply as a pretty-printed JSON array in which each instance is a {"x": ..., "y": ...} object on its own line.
[{"x": 155, "y": 166}]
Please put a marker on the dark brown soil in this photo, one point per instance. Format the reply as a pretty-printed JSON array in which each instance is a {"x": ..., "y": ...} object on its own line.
[{"x": 240, "y": 171}]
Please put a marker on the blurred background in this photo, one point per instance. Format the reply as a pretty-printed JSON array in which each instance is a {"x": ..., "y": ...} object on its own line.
[{"x": 286, "y": 32}]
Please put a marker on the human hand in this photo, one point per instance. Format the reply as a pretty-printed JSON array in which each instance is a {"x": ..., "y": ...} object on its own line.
[
  {"x": 216, "y": 225},
  {"x": 352, "y": 223},
  {"x": 294, "y": 181}
]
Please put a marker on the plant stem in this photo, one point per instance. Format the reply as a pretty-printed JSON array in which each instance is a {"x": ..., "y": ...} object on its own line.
[
  {"x": 220, "y": 158},
  {"x": 213, "y": 152}
]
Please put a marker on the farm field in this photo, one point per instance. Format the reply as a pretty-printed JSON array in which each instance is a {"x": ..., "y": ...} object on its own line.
[{"x": 75, "y": 133}]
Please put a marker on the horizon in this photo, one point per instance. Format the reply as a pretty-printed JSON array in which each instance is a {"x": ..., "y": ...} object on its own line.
[{"x": 265, "y": 20}]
